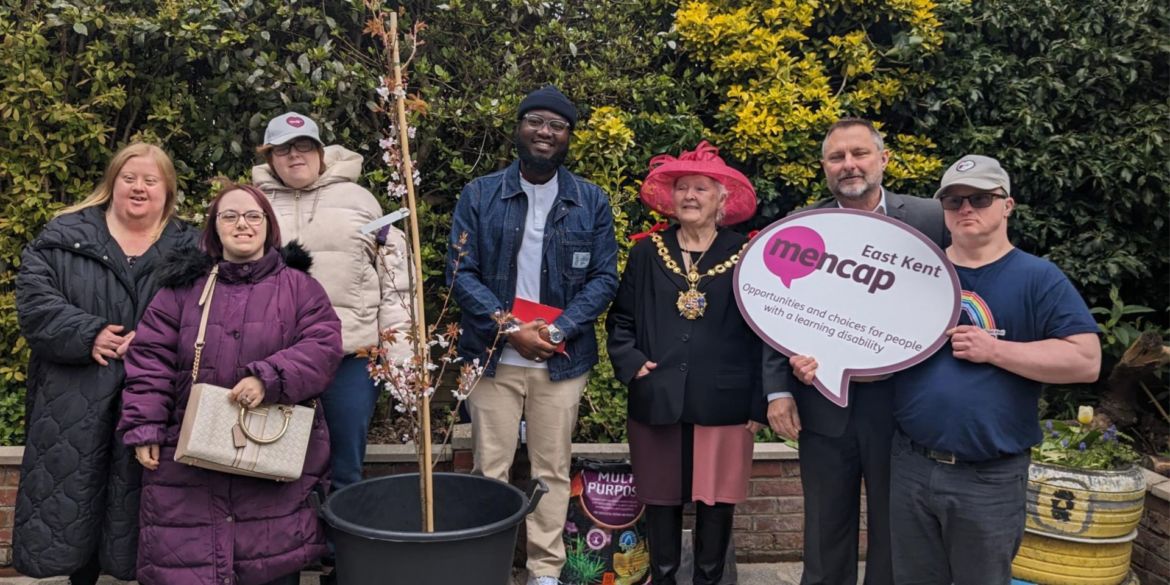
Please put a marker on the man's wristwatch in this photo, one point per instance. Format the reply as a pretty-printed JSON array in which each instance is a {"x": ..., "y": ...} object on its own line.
[{"x": 555, "y": 335}]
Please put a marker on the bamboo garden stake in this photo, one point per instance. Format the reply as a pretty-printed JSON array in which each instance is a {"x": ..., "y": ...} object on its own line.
[{"x": 426, "y": 476}]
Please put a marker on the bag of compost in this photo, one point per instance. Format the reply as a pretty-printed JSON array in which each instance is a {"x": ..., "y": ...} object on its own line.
[{"x": 605, "y": 535}]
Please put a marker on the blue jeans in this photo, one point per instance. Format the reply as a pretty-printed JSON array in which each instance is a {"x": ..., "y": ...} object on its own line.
[
  {"x": 958, "y": 523},
  {"x": 349, "y": 405}
]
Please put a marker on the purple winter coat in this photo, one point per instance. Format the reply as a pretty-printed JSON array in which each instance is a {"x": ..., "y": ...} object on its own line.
[{"x": 203, "y": 527}]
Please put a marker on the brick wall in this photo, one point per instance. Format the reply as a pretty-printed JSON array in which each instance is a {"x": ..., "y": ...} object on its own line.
[
  {"x": 768, "y": 527},
  {"x": 1151, "y": 550},
  {"x": 9, "y": 480}
]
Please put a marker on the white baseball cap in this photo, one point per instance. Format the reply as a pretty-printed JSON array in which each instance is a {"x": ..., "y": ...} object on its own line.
[
  {"x": 978, "y": 171},
  {"x": 288, "y": 126}
]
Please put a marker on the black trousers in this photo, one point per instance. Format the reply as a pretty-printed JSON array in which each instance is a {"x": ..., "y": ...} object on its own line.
[
  {"x": 831, "y": 474},
  {"x": 958, "y": 523},
  {"x": 87, "y": 575}
]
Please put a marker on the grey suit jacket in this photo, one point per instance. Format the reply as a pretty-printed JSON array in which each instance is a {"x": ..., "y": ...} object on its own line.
[{"x": 817, "y": 413}]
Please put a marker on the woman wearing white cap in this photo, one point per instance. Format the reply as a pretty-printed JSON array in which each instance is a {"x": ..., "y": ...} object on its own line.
[{"x": 318, "y": 202}]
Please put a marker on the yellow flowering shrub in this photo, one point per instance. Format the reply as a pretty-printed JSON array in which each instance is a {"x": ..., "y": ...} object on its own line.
[
  {"x": 601, "y": 151},
  {"x": 604, "y": 138},
  {"x": 908, "y": 163},
  {"x": 784, "y": 70}
]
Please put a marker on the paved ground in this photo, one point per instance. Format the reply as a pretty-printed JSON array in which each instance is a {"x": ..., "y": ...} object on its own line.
[{"x": 753, "y": 574}]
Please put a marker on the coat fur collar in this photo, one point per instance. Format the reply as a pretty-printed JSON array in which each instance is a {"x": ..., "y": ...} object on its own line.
[{"x": 184, "y": 265}]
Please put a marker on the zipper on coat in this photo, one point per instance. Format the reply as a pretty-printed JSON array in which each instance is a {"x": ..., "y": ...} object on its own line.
[{"x": 296, "y": 214}]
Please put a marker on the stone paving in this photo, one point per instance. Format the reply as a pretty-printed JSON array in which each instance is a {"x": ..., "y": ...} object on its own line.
[{"x": 749, "y": 574}]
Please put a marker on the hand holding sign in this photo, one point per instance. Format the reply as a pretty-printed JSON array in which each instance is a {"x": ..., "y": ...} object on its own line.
[
  {"x": 804, "y": 367},
  {"x": 861, "y": 293}
]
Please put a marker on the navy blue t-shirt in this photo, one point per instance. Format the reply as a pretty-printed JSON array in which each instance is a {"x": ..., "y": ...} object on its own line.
[{"x": 980, "y": 411}]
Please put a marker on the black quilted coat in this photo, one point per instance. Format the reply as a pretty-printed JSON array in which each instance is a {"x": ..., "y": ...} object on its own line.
[{"x": 79, "y": 485}]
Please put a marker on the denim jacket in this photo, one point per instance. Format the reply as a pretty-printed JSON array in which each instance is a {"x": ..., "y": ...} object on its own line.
[{"x": 579, "y": 268}]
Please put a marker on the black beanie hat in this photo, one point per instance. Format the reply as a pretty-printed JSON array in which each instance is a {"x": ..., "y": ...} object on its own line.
[{"x": 549, "y": 98}]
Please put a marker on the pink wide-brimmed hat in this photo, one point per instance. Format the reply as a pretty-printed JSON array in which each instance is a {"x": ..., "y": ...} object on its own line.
[{"x": 703, "y": 160}]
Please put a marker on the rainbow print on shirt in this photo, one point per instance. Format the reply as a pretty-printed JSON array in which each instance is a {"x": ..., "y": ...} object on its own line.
[{"x": 979, "y": 313}]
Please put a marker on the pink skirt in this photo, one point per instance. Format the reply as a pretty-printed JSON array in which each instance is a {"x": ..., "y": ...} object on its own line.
[{"x": 721, "y": 463}]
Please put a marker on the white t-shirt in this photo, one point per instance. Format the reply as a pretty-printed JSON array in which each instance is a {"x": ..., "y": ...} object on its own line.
[{"x": 530, "y": 259}]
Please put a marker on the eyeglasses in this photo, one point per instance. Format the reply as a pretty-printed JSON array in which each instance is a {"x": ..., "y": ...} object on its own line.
[
  {"x": 977, "y": 200},
  {"x": 534, "y": 122},
  {"x": 302, "y": 145},
  {"x": 254, "y": 218}
]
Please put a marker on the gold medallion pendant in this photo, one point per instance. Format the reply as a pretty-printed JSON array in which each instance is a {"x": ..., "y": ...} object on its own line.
[{"x": 691, "y": 303}]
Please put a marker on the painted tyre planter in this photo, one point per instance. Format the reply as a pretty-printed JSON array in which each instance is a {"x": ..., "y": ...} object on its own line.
[
  {"x": 1046, "y": 560},
  {"x": 1130, "y": 579},
  {"x": 1080, "y": 526},
  {"x": 1081, "y": 503}
]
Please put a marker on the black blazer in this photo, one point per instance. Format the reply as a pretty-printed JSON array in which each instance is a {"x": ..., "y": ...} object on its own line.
[
  {"x": 708, "y": 369},
  {"x": 817, "y": 413}
]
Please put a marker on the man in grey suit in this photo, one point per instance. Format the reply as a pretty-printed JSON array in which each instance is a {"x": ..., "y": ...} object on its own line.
[{"x": 841, "y": 446}]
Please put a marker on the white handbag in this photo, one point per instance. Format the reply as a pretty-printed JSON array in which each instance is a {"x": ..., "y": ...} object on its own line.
[{"x": 269, "y": 441}]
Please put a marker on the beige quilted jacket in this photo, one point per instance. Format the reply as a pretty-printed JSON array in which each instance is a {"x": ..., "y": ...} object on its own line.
[{"x": 369, "y": 295}]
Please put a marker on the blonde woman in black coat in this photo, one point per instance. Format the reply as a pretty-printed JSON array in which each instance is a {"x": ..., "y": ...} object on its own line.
[{"x": 83, "y": 284}]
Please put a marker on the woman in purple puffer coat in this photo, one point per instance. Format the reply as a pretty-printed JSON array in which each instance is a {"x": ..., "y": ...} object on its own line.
[{"x": 272, "y": 337}]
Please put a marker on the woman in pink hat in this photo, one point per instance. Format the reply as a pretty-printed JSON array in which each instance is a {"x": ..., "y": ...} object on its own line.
[{"x": 676, "y": 338}]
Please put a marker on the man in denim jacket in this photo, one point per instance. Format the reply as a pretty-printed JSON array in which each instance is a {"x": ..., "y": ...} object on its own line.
[{"x": 538, "y": 232}]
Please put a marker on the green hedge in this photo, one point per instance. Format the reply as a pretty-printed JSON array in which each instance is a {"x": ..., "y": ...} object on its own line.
[{"x": 1072, "y": 98}]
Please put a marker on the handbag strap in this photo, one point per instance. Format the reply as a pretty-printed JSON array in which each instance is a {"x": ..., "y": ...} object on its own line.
[{"x": 205, "y": 302}]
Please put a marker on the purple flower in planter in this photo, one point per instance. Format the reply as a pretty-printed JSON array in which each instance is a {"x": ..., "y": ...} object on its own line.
[
  {"x": 1064, "y": 443},
  {"x": 1048, "y": 424},
  {"x": 1081, "y": 447}
]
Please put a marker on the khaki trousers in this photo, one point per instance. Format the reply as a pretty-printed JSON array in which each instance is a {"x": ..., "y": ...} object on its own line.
[{"x": 550, "y": 409}]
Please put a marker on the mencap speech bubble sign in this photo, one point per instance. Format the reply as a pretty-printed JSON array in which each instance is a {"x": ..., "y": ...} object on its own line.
[{"x": 864, "y": 294}]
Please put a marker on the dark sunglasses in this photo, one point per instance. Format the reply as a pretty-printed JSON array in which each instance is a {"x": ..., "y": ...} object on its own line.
[
  {"x": 302, "y": 145},
  {"x": 977, "y": 200}
]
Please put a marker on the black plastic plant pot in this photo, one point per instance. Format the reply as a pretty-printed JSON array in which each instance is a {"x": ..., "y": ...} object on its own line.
[{"x": 376, "y": 527}]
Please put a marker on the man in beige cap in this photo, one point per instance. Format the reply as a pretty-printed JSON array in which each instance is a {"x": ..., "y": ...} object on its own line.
[{"x": 968, "y": 416}]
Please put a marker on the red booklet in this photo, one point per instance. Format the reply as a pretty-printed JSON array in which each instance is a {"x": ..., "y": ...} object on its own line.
[{"x": 527, "y": 311}]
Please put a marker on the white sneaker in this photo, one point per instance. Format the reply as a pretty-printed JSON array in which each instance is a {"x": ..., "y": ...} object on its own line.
[{"x": 545, "y": 580}]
